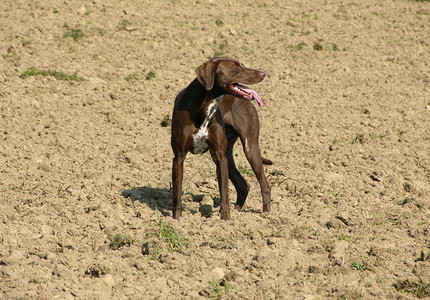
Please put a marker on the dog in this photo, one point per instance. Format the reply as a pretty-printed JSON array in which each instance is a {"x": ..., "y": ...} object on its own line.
[{"x": 210, "y": 114}]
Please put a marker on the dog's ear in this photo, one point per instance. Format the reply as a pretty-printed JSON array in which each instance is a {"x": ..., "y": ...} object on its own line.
[{"x": 206, "y": 74}]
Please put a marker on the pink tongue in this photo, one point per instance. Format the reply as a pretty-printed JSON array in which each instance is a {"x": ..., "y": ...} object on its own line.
[{"x": 252, "y": 93}]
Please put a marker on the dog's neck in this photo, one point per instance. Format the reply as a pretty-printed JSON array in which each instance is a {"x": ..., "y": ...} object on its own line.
[
  {"x": 201, "y": 100},
  {"x": 202, "y": 93}
]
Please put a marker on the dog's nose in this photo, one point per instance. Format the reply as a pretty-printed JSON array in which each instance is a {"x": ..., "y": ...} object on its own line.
[{"x": 262, "y": 74}]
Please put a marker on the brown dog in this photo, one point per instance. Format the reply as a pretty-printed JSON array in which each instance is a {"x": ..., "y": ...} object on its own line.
[{"x": 210, "y": 114}]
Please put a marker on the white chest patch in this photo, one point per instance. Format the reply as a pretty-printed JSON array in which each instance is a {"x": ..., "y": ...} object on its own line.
[{"x": 201, "y": 137}]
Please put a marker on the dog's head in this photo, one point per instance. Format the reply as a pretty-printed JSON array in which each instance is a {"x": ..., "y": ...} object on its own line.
[{"x": 228, "y": 75}]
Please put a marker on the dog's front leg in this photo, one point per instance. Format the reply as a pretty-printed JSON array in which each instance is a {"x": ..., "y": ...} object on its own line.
[
  {"x": 177, "y": 175},
  {"x": 222, "y": 175}
]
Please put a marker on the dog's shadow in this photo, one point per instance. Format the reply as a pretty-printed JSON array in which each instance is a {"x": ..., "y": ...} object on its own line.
[{"x": 161, "y": 199}]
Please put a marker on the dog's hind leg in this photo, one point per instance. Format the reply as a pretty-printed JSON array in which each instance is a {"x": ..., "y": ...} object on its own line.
[
  {"x": 221, "y": 162},
  {"x": 240, "y": 184},
  {"x": 253, "y": 154}
]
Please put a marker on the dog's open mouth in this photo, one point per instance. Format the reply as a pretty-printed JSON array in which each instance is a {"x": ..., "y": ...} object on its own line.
[{"x": 246, "y": 92}]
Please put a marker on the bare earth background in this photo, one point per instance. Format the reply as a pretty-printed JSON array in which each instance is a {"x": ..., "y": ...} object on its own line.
[{"x": 86, "y": 92}]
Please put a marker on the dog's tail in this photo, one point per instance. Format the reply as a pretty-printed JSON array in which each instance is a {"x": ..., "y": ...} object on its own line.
[{"x": 267, "y": 161}]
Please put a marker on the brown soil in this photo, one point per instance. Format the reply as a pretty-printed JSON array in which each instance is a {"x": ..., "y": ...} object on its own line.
[{"x": 85, "y": 158}]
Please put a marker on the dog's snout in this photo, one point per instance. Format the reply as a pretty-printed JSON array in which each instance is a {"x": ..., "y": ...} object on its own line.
[{"x": 261, "y": 74}]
